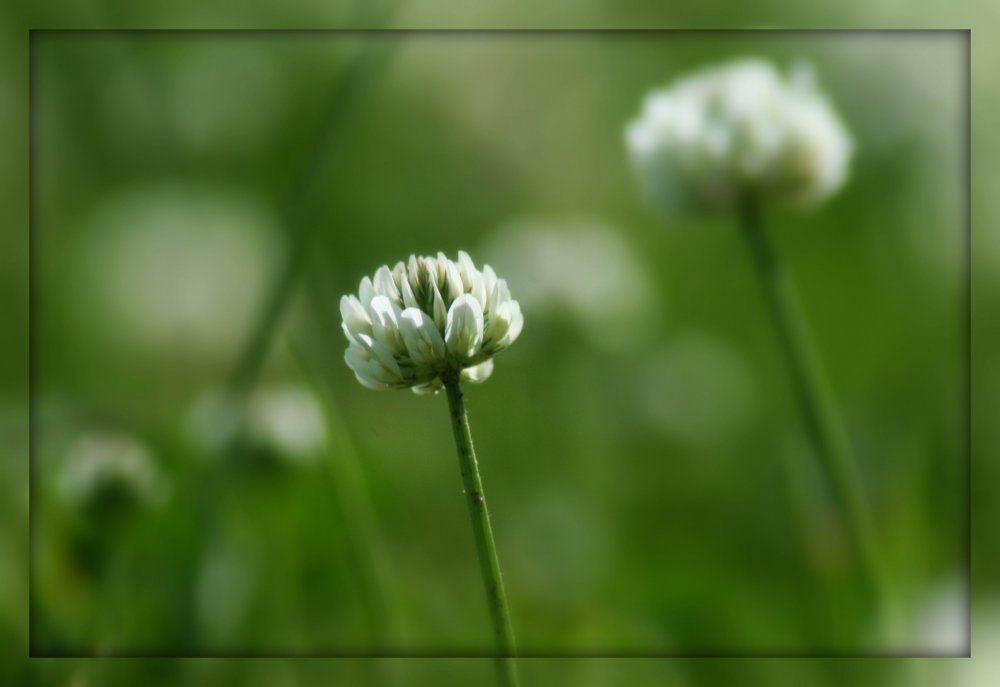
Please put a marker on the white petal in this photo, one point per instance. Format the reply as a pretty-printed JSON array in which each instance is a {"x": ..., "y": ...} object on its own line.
[
  {"x": 431, "y": 387},
  {"x": 406, "y": 288},
  {"x": 385, "y": 322},
  {"x": 489, "y": 283},
  {"x": 440, "y": 309},
  {"x": 497, "y": 322},
  {"x": 514, "y": 329},
  {"x": 472, "y": 278},
  {"x": 355, "y": 356},
  {"x": 413, "y": 271},
  {"x": 366, "y": 291},
  {"x": 453, "y": 280},
  {"x": 355, "y": 318},
  {"x": 430, "y": 266},
  {"x": 501, "y": 294},
  {"x": 442, "y": 262},
  {"x": 383, "y": 355},
  {"x": 380, "y": 362},
  {"x": 478, "y": 373},
  {"x": 370, "y": 383},
  {"x": 463, "y": 331},
  {"x": 466, "y": 267},
  {"x": 385, "y": 285},
  {"x": 398, "y": 273},
  {"x": 421, "y": 336}
]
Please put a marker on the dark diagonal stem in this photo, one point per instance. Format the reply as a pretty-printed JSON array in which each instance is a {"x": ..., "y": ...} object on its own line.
[{"x": 818, "y": 410}]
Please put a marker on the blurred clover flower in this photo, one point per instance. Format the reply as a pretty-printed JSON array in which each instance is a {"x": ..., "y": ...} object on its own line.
[
  {"x": 615, "y": 306},
  {"x": 284, "y": 421},
  {"x": 412, "y": 324},
  {"x": 734, "y": 138},
  {"x": 170, "y": 269},
  {"x": 107, "y": 469},
  {"x": 723, "y": 132},
  {"x": 939, "y": 626},
  {"x": 288, "y": 420}
]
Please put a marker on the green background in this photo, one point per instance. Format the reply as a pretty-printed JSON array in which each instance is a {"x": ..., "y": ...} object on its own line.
[{"x": 637, "y": 466}]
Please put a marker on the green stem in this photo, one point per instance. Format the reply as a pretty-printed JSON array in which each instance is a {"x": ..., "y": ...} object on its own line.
[
  {"x": 483, "y": 533},
  {"x": 820, "y": 416}
]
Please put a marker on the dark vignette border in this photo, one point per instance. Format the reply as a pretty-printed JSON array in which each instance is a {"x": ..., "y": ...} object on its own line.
[{"x": 965, "y": 309}]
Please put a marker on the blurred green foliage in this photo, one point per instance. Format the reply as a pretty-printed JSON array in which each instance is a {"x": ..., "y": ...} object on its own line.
[{"x": 651, "y": 486}]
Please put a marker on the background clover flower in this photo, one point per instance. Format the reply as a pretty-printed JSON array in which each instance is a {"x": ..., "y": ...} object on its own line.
[
  {"x": 409, "y": 325},
  {"x": 735, "y": 138},
  {"x": 109, "y": 470},
  {"x": 723, "y": 132}
]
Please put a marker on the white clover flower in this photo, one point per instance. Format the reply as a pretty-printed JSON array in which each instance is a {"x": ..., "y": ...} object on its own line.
[
  {"x": 412, "y": 324},
  {"x": 741, "y": 128}
]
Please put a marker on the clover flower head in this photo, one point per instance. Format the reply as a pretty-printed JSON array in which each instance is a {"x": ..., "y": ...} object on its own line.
[
  {"x": 740, "y": 128},
  {"x": 429, "y": 317}
]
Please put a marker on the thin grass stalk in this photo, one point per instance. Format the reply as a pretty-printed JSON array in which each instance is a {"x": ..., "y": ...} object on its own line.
[{"x": 813, "y": 399}]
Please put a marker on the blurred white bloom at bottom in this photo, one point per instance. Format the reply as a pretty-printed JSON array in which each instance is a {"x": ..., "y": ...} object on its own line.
[
  {"x": 942, "y": 621},
  {"x": 980, "y": 670},
  {"x": 109, "y": 465},
  {"x": 743, "y": 127}
]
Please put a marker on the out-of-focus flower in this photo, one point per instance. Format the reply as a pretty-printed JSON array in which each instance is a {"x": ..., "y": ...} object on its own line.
[
  {"x": 580, "y": 269},
  {"x": 409, "y": 325},
  {"x": 941, "y": 623},
  {"x": 979, "y": 671},
  {"x": 741, "y": 128},
  {"x": 288, "y": 420},
  {"x": 285, "y": 421},
  {"x": 105, "y": 467},
  {"x": 173, "y": 269},
  {"x": 697, "y": 390}
]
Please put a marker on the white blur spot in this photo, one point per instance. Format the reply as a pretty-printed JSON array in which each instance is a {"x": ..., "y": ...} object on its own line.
[
  {"x": 289, "y": 420},
  {"x": 696, "y": 389},
  {"x": 581, "y": 270},
  {"x": 170, "y": 268},
  {"x": 102, "y": 462},
  {"x": 286, "y": 421},
  {"x": 941, "y": 621}
]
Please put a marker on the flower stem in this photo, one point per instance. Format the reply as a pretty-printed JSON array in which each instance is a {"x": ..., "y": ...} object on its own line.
[
  {"x": 483, "y": 533},
  {"x": 817, "y": 407}
]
